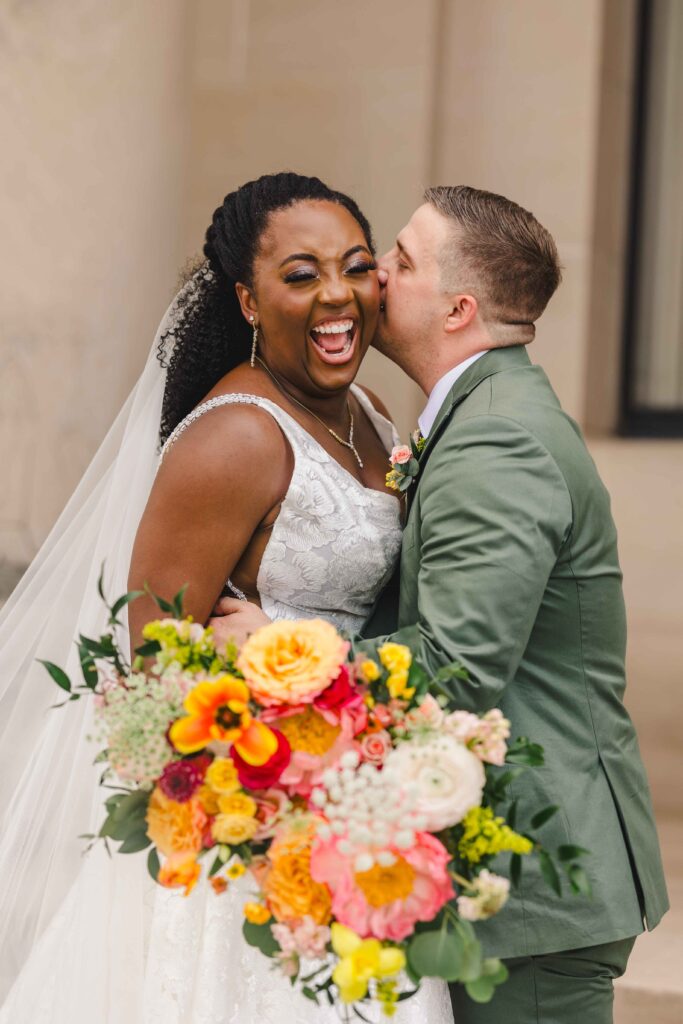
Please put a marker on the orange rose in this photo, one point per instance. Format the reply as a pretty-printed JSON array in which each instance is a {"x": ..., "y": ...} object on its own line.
[
  {"x": 291, "y": 662},
  {"x": 288, "y": 886},
  {"x": 173, "y": 827},
  {"x": 178, "y": 871}
]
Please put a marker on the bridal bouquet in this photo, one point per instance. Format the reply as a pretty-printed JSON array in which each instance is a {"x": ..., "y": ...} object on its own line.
[{"x": 365, "y": 811}]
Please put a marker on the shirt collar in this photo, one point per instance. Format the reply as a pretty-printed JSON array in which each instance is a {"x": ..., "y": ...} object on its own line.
[{"x": 441, "y": 390}]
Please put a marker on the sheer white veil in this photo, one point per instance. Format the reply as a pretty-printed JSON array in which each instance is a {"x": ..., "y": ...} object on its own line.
[{"x": 48, "y": 784}]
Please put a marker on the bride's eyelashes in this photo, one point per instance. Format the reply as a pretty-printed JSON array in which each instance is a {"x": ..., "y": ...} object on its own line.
[{"x": 309, "y": 275}]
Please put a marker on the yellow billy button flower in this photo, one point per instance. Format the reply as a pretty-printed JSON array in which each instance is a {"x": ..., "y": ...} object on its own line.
[
  {"x": 256, "y": 913},
  {"x": 360, "y": 960}
]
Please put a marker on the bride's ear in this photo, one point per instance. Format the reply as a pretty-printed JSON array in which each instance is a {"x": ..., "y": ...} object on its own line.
[{"x": 247, "y": 302}]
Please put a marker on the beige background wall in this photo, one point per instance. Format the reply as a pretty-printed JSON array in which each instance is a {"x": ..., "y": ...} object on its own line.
[
  {"x": 93, "y": 131},
  {"x": 125, "y": 124}
]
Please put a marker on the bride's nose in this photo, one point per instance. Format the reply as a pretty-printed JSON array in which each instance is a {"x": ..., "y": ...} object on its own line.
[{"x": 335, "y": 289}]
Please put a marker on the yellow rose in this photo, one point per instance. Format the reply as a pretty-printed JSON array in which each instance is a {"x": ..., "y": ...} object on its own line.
[
  {"x": 221, "y": 775},
  {"x": 178, "y": 871},
  {"x": 395, "y": 657},
  {"x": 233, "y": 828},
  {"x": 291, "y": 662},
  {"x": 174, "y": 827},
  {"x": 397, "y": 684},
  {"x": 370, "y": 670},
  {"x": 256, "y": 913},
  {"x": 208, "y": 798},
  {"x": 237, "y": 803}
]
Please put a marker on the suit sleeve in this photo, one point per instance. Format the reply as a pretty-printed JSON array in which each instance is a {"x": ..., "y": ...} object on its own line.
[{"x": 494, "y": 514}]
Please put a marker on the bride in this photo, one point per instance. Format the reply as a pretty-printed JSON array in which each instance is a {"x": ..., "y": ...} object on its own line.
[{"x": 271, "y": 478}]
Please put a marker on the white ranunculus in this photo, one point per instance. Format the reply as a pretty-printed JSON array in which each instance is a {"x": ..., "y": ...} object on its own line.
[{"x": 448, "y": 777}]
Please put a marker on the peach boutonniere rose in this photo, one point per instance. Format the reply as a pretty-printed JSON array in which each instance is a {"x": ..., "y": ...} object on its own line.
[{"x": 404, "y": 467}]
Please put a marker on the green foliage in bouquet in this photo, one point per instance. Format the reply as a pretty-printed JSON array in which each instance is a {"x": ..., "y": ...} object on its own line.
[{"x": 296, "y": 758}]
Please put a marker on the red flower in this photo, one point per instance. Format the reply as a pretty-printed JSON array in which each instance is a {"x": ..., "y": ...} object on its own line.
[
  {"x": 180, "y": 780},
  {"x": 339, "y": 694},
  {"x": 262, "y": 776}
]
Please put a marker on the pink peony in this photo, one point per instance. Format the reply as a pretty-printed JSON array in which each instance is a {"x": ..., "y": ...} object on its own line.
[
  {"x": 318, "y": 738},
  {"x": 180, "y": 780},
  {"x": 422, "y": 868},
  {"x": 400, "y": 454}
]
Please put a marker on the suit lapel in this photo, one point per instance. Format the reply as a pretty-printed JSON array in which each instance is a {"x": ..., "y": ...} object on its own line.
[{"x": 496, "y": 360}]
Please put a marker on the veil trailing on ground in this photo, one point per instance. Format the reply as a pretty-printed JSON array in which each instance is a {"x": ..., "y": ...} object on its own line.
[{"x": 48, "y": 784}]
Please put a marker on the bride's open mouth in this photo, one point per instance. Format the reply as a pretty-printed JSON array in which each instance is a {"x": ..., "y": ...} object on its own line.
[{"x": 335, "y": 339}]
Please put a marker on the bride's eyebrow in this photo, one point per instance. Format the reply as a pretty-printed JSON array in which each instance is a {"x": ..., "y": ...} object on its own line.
[{"x": 314, "y": 259}]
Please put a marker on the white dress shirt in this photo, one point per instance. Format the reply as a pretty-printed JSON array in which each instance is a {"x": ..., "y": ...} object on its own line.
[{"x": 440, "y": 390}]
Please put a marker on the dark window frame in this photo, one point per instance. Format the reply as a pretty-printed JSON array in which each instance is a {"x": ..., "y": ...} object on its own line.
[{"x": 637, "y": 419}]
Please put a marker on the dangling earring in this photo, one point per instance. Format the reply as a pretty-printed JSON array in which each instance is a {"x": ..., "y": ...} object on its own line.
[{"x": 254, "y": 344}]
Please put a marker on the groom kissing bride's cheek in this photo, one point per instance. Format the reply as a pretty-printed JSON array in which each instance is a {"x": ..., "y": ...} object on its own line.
[{"x": 509, "y": 566}]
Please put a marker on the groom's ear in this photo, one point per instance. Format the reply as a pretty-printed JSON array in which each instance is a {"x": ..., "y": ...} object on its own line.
[
  {"x": 247, "y": 302},
  {"x": 463, "y": 311}
]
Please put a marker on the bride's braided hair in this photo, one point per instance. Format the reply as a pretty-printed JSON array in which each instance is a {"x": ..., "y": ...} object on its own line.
[{"x": 210, "y": 336}]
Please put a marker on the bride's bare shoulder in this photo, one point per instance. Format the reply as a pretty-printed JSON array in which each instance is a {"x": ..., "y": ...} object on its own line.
[{"x": 227, "y": 437}]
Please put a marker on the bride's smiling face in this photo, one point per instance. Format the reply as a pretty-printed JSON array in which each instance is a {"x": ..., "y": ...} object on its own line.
[{"x": 315, "y": 296}]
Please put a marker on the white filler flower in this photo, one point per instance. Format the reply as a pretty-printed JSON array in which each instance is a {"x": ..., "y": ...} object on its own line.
[{"x": 447, "y": 777}]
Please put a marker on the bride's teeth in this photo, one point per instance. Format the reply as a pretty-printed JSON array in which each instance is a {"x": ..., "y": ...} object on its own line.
[{"x": 341, "y": 327}]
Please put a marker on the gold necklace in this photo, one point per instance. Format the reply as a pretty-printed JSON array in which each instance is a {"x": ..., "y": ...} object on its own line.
[{"x": 347, "y": 444}]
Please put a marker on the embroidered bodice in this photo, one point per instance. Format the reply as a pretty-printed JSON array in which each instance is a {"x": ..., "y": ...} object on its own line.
[{"x": 335, "y": 542}]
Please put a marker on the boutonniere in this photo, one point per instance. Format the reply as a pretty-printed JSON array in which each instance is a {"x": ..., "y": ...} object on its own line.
[{"x": 404, "y": 464}]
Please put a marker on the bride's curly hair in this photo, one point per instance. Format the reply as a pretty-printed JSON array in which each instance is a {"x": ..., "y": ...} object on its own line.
[{"x": 210, "y": 336}]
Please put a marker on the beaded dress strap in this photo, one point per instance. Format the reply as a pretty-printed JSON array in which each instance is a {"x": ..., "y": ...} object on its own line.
[{"x": 213, "y": 403}]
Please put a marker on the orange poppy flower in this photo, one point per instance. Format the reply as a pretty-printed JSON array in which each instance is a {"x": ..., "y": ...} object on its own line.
[{"x": 218, "y": 709}]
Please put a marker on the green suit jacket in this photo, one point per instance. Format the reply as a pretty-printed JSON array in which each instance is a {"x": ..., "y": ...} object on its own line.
[{"x": 509, "y": 565}]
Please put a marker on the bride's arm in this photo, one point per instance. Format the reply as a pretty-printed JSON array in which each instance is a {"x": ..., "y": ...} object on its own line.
[{"x": 217, "y": 483}]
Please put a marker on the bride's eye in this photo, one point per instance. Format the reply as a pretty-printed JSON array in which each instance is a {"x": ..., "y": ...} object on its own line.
[
  {"x": 361, "y": 268},
  {"x": 300, "y": 275}
]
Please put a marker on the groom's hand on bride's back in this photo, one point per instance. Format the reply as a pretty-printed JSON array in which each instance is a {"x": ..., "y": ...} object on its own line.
[{"x": 234, "y": 620}]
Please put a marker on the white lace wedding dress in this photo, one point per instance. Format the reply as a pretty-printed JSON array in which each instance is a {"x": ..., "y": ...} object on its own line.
[{"x": 331, "y": 550}]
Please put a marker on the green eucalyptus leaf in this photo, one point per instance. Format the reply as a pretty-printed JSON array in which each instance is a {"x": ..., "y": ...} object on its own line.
[
  {"x": 515, "y": 869},
  {"x": 178, "y": 601},
  {"x": 523, "y": 751},
  {"x": 569, "y": 852},
  {"x": 481, "y": 990},
  {"x": 132, "y": 595},
  {"x": 148, "y": 649},
  {"x": 153, "y": 865},
  {"x": 135, "y": 842},
  {"x": 57, "y": 674},
  {"x": 549, "y": 871},
  {"x": 579, "y": 881},
  {"x": 543, "y": 816},
  {"x": 437, "y": 954},
  {"x": 261, "y": 936}
]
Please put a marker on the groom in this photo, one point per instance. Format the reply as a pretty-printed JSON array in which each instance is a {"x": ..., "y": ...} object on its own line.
[{"x": 510, "y": 566}]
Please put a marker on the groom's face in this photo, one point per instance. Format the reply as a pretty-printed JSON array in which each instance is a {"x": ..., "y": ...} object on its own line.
[{"x": 414, "y": 304}]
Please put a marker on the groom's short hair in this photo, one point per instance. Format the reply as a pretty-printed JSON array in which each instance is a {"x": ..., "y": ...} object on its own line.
[{"x": 499, "y": 251}]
